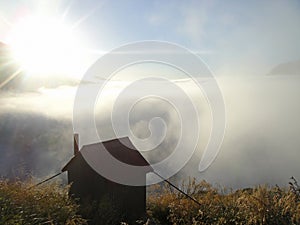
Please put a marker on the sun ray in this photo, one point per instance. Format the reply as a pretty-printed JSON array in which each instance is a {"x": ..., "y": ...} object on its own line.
[
  {"x": 11, "y": 77},
  {"x": 8, "y": 23},
  {"x": 67, "y": 10},
  {"x": 85, "y": 17}
]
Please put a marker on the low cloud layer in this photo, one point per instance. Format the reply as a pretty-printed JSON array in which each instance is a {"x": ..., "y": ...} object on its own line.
[{"x": 261, "y": 143}]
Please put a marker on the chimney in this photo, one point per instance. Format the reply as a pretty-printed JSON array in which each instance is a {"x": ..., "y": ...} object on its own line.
[{"x": 76, "y": 144}]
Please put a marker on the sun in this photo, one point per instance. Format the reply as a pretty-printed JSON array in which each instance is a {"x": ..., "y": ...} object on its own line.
[{"x": 46, "y": 46}]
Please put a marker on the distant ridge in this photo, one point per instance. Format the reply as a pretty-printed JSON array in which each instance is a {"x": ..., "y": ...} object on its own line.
[{"x": 288, "y": 68}]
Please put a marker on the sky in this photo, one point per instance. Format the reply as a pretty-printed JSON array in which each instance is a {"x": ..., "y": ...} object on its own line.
[
  {"x": 251, "y": 47},
  {"x": 233, "y": 37}
]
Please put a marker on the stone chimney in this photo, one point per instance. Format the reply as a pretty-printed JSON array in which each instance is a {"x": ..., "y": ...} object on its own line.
[{"x": 76, "y": 144}]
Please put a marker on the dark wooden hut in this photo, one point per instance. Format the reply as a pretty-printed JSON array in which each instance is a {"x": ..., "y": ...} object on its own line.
[{"x": 89, "y": 186}]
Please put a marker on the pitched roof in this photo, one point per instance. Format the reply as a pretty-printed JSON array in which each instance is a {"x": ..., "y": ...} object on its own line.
[{"x": 125, "y": 153}]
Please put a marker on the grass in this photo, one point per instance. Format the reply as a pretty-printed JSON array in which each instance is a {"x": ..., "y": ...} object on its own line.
[
  {"x": 259, "y": 205},
  {"x": 51, "y": 204},
  {"x": 45, "y": 204}
]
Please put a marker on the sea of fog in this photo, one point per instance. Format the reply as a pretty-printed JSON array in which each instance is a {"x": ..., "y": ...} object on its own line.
[{"x": 261, "y": 142}]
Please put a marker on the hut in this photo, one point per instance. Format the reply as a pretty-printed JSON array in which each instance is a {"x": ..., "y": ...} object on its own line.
[{"x": 90, "y": 186}]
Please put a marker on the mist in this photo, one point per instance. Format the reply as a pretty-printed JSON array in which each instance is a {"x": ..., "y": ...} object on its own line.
[{"x": 261, "y": 143}]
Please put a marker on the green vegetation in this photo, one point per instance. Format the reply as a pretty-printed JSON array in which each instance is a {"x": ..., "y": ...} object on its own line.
[{"x": 50, "y": 204}]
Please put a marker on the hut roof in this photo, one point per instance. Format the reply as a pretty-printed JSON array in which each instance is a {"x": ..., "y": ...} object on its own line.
[{"x": 125, "y": 153}]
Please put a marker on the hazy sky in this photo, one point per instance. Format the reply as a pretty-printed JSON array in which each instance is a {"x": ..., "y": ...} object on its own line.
[{"x": 233, "y": 37}]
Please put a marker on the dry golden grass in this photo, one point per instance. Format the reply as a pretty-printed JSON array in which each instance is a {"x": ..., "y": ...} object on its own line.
[
  {"x": 50, "y": 204},
  {"x": 260, "y": 205},
  {"x": 45, "y": 204}
]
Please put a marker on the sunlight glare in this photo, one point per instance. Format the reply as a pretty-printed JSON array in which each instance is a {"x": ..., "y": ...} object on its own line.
[{"x": 46, "y": 46}]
